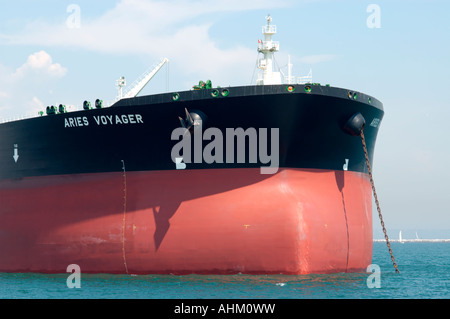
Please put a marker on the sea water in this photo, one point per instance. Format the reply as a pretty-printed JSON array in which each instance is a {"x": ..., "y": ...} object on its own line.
[{"x": 424, "y": 274}]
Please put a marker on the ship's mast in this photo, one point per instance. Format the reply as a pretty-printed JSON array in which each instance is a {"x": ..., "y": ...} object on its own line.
[
  {"x": 266, "y": 63},
  {"x": 121, "y": 83},
  {"x": 289, "y": 77},
  {"x": 268, "y": 47}
]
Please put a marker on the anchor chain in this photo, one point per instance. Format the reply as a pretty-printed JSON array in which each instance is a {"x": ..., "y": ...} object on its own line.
[
  {"x": 124, "y": 175},
  {"x": 376, "y": 199}
]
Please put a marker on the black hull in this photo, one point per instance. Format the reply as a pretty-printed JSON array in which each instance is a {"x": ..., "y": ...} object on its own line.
[{"x": 137, "y": 132}]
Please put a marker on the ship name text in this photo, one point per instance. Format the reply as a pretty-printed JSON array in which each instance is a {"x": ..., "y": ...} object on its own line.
[{"x": 102, "y": 120}]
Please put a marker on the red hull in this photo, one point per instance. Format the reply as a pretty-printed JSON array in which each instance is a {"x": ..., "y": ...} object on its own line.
[{"x": 192, "y": 221}]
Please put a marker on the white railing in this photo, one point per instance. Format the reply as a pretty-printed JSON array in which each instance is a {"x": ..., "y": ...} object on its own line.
[
  {"x": 17, "y": 118},
  {"x": 304, "y": 79},
  {"x": 69, "y": 108},
  {"x": 298, "y": 79},
  {"x": 269, "y": 46},
  {"x": 269, "y": 29}
]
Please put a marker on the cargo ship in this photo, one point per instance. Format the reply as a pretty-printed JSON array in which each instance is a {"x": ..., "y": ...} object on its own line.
[{"x": 257, "y": 179}]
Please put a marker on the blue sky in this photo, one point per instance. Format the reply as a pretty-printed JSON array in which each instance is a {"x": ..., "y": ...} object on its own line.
[{"x": 51, "y": 54}]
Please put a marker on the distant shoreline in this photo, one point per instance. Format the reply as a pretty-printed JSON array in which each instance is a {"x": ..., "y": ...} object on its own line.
[{"x": 414, "y": 240}]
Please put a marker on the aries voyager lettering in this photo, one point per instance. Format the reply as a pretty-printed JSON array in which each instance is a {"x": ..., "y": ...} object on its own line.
[{"x": 103, "y": 120}]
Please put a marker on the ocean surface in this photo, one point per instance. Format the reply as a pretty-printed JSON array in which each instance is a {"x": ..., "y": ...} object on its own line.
[{"x": 424, "y": 274}]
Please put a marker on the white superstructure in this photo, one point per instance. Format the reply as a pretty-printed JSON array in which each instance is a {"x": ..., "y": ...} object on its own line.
[
  {"x": 266, "y": 63},
  {"x": 268, "y": 47}
]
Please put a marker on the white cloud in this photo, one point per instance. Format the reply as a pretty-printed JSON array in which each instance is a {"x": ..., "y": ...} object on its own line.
[
  {"x": 178, "y": 30},
  {"x": 40, "y": 62},
  {"x": 134, "y": 26},
  {"x": 25, "y": 87}
]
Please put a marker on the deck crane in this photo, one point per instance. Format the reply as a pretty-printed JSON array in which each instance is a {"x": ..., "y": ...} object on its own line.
[{"x": 140, "y": 83}]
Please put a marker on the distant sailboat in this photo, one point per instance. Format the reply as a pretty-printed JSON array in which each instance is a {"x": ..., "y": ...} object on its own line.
[{"x": 401, "y": 240}]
